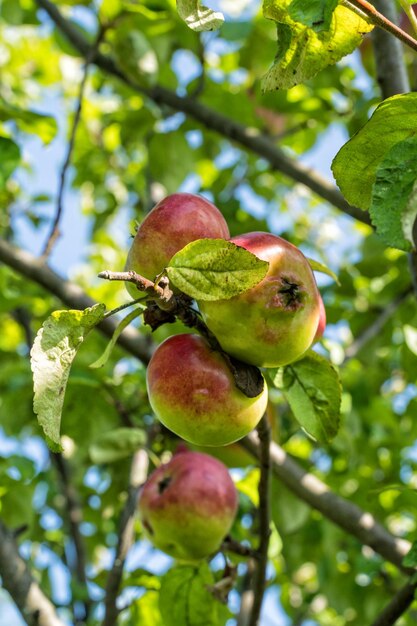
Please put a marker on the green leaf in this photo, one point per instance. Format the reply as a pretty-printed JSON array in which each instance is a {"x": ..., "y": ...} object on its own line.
[
  {"x": 116, "y": 444},
  {"x": 410, "y": 559},
  {"x": 316, "y": 14},
  {"x": 215, "y": 269},
  {"x": 198, "y": 17},
  {"x": 102, "y": 360},
  {"x": 185, "y": 599},
  {"x": 135, "y": 55},
  {"x": 356, "y": 164},
  {"x": 9, "y": 159},
  {"x": 52, "y": 354},
  {"x": 320, "y": 267},
  {"x": 145, "y": 611},
  {"x": 302, "y": 51},
  {"x": 288, "y": 512},
  {"x": 393, "y": 188},
  {"x": 45, "y": 126},
  {"x": 313, "y": 391},
  {"x": 170, "y": 159},
  {"x": 109, "y": 9},
  {"x": 249, "y": 485}
]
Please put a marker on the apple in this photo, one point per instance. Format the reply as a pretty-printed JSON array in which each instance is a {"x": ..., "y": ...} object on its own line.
[
  {"x": 193, "y": 393},
  {"x": 174, "y": 222},
  {"x": 275, "y": 322},
  {"x": 188, "y": 505}
]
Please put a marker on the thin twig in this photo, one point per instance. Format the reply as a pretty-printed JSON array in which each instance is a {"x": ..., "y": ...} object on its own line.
[
  {"x": 73, "y": 512},
  {"x": 264, "y": 512},
  {"x": 397, "y": 606},
  {"x": 138, "y": 473},
  {"x": 231, "y": 545},
  {"x": 142, "y": 283},
  {"x": 55, "y": 233},
  {"x": 381, "y": 21},
  {"x": 249, "y": 138}
]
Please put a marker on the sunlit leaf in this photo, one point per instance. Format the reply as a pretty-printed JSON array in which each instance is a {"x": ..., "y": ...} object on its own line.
[
  {"x": 45, "y": 126},
  {"x": 198, "y": 17},
  {"x": 356, "y": 164},
  {"x": 9, "y": 159},
  {"x": 215, "y": 269},
  {"x": 52, "y": 354},
  {"x": 302, "y": 49}
]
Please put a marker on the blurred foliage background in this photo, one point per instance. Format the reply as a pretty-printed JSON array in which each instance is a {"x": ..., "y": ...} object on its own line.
[{"x": 129, "y": 152}]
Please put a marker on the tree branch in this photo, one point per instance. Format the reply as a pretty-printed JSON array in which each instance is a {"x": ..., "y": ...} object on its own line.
[
  {"x": 398, "y": 605},
  {"x": 73, "y": 512},
  {"x": 70, "y": 294},
  {"x": 138, "y": 473},
  {"x": 264, "y": 512},
  {"x": 389, "y": 58},
  {"x": 343, "y": 513},
  {"x": 249, "y": 138},
  {"x": 35, "y": 607}
]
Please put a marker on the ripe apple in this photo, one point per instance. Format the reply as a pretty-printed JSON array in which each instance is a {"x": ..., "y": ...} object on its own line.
[
  {"x": 174, "y": 222},
  {"x": 275, "y": 322},
  {"x": 193, "y": 393},
  {"x": 188, "y": 505}
]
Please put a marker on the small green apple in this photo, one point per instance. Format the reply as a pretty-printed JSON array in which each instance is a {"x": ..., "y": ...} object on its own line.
[
  {"x": 193, "y": 393},
  {"x": 188, "y": 505}
]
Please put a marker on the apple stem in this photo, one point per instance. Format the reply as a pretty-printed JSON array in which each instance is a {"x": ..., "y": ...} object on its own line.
[{"x": 126, "y": 305}]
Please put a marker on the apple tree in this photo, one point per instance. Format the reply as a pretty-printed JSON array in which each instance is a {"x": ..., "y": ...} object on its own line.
[{"x": 181, "y": 442}]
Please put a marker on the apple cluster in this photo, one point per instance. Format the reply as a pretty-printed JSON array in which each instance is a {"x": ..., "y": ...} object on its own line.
[{"x": 188, "y": 505}]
